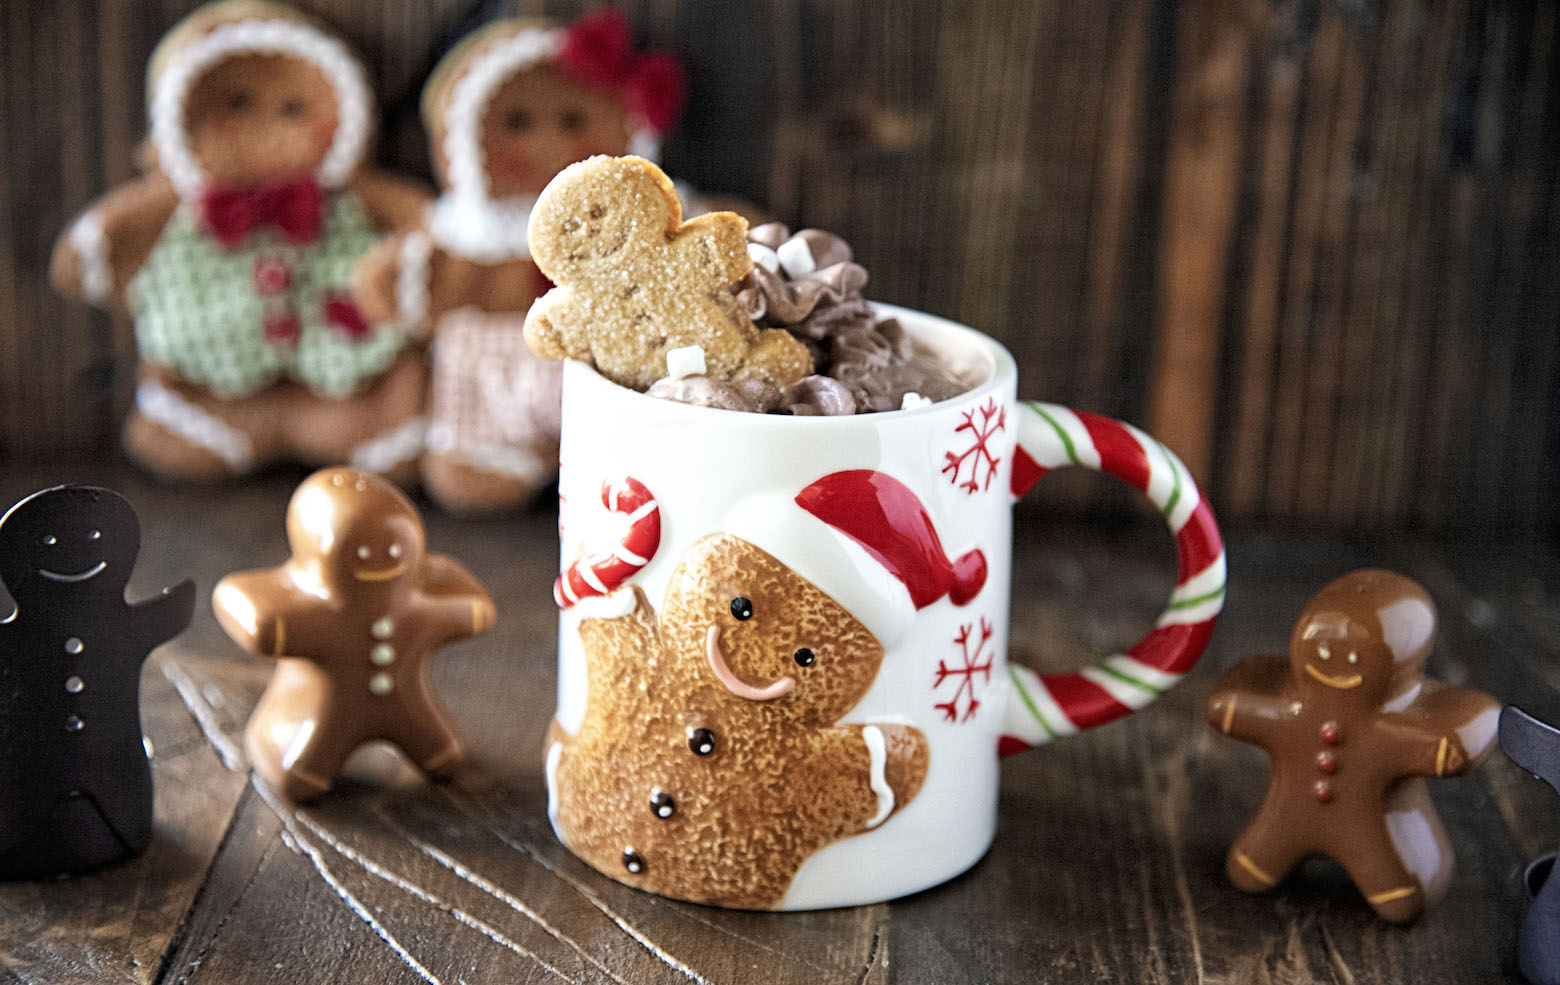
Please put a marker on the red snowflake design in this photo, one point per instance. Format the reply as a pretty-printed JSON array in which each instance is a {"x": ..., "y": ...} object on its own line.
[
  {"x": 971, "y": 649},
  {"x": 982, "y": 423}
]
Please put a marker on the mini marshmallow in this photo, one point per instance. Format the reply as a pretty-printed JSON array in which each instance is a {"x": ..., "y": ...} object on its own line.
[
  {"x": 796, "y": 257},
  {"x": 686, "y": 361},
  {"x": 912, "y": 400},
  {"x": 764, "y": 257}
]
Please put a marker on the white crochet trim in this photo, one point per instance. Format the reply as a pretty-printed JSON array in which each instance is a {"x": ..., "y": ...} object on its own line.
[
  {"x": 411, "y": 280},
  {"x": 466, "y": 220},
  {"x": 516, "y": 461},
  {"x": 463, "y": 118},
  {"x": 91, "y": 245},
  {"x": 194, "y": 425},
  {"x": 353, "y": 99},
  {"x": 481, "y": 229},
  {"x": 384, "y": 452}
]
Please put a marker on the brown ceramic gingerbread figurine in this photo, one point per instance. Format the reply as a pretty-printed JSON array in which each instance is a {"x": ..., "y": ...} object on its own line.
[
  {"x": 710, "y": 764},
  {"x": 353, "y": 619},
  {"x": 1353, "y": 728}
]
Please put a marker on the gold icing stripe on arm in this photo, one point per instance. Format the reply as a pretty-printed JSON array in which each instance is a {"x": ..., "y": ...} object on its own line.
[
  {"x": 281, "y": 637},
  {"x": 1229, "y": 715},
  {"x": 1440, "y": 758},
  {"x": 1251, "y": 867},
  {"x": 476, "y": 616},
  {"x": 1390, "y": 895}
]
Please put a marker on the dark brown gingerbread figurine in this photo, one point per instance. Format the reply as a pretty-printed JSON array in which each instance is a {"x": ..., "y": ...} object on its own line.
[
  {"x": 353, "y": 619},
  {"x": 711, "y": 761},
  {"x": 1353, "y": 727}
]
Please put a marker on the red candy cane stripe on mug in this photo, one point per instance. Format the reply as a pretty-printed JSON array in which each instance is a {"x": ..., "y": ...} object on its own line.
[
  {"x": 1055, "y": 705},
  {"x": 605, "y": 571}
]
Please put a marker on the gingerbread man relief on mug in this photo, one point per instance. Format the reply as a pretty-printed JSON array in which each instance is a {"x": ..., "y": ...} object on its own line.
[
  {"x": 782, "y": 646},
  {"x": 506, "y": 109},
  {"x": 1354, "y": 728},
  {"x": 234, "y": 253},
  {"x": 353, "y": 620}
]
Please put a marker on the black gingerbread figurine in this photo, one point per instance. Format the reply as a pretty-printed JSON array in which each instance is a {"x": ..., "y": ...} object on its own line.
[
  {"x": 75, "y": 784},
  {"x": 1535, "y": 747}
]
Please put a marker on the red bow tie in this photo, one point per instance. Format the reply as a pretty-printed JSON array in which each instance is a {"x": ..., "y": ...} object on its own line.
[{"x": 294, "y": 207}]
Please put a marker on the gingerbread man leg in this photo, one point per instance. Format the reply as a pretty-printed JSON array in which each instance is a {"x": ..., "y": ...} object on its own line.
[
  {"x": 184, "y": 432},
  {"x": 1265, "y": 852},
  {"x": 424, "y": 733},
  {"x": 293, "y": 740}
]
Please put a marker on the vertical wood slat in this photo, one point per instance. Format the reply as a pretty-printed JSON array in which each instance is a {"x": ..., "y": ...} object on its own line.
[{"x": 1323, "y": 234}]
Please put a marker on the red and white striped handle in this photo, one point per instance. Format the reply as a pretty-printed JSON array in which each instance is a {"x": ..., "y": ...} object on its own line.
[
  {"x": 605, "y": 571},
  {"x": 1050, "y": 706}
]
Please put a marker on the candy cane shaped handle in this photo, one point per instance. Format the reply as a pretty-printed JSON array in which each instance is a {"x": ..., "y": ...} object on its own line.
[
  {"x": 605, "y": 571},
  {"x": 1051, "y": 706}
]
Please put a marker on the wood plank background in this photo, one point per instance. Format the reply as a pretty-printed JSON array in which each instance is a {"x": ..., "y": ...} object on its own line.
[{"x": 1312, "y": 245}]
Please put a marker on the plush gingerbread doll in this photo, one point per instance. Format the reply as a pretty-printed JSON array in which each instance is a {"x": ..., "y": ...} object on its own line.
[
  {"x": 710, "y": 762},
  {"x": 234, "y": 256},
  {"x": 352, "y": 619},
  {"x": 1353, "y": 727},
  {"x": 509, "y": 107}
]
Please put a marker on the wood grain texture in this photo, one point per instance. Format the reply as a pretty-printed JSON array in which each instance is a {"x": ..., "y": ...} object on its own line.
[
  {"x": 1107, "y": 866},
  {"x": 1310, "y": 241}
]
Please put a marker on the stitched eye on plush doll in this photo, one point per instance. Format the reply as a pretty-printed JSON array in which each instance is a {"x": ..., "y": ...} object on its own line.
[
  {"x": 293, "y": 108},
  {"x": 742, "y": 608},
  {"x": 517, "y": 121},
  {"x": 571, "y": 121},
  {"x": 239, "y": 101}
]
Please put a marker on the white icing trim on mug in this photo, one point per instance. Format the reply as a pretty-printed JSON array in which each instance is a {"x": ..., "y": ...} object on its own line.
[
  {"x": 353, "y": 99},
  {"x": 90, "y": 242},
  {"x": 466, "y": 219},
  {"x": 877, "y": 751},
  {"x": 411, "y": 280},
  {"x": 554, "y": 753},
  {"x": 160, "y": 404},
  {"x": 384, "y": 452}
]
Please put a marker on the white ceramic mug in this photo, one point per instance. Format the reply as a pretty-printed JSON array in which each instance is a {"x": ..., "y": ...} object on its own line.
[{"x": 904, "y": 519}]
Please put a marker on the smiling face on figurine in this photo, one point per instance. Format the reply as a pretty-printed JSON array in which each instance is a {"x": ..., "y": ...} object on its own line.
[
  {"x": 255, "y": 118},
  {"x": 71, "y": 536},
  {"x": 357, "y": 530},
  {"x": 1361, "y": 636},
  {"x": 538, "y": 122},
  {"x": 746, "y": 622}
]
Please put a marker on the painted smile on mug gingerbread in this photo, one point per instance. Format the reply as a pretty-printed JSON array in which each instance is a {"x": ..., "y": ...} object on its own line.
[
  {"x": 1341, "y": 683},
  {"x": 736, "y": 685},
  {"x": 384, "y": 574}
]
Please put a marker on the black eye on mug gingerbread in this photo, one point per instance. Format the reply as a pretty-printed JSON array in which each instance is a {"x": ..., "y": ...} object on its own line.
[
  {"x": 742, "y": 608},
  {"x": 805, "y": 657}
]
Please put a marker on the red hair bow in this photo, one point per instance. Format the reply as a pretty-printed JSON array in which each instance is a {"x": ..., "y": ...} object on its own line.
[{"x": 597, "y": 51}]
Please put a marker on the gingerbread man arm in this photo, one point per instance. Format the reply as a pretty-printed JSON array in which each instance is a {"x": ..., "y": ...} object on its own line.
[
  {"x": 164, "y": 616},
  {"x": 714, "y": 249},
  {"x": 391, "y": 202},
  {"x": 103, "y": 248},
  {"x": 555, "y": 327},
  {"x": 884, "y": 765},
  {"x": 460, "y": 605},
  {"x": 1446, "y": 732},
  {"x": 1249, "y": 703},
  {"x": 264, "y": 614}
]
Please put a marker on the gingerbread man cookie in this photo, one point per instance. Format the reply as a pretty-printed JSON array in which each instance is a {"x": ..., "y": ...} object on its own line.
[
  {"x": 234, "y": 253},
  {"x": 75, "y": 784},
  {"x": 352, "y": 619},
  {"x": 710, "y": 763},
  {"x": 1353, "y": 727},
  {"x": 635, "y": 281}
]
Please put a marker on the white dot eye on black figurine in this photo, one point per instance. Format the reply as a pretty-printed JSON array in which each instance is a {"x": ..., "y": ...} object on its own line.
[
  {"x": 1535, "y": 747},
  {"x": 75, "y": 784}
]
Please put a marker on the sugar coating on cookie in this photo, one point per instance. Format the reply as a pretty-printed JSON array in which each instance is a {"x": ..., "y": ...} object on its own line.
[{"x": 636, "y": 282}]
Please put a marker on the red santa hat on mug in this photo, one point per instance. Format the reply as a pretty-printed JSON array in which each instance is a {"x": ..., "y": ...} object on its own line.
[{"x": 867, "y": 541}]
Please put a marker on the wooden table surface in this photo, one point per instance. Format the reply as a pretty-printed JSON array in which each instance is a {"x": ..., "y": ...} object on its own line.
[{"x": 1107, "y": 867}]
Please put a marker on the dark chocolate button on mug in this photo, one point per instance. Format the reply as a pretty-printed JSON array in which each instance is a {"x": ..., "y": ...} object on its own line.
[
  {"x": 632, "y": 862},
  {"x": 661, "y": 804},
  {"x": 701, "y": 741}
]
